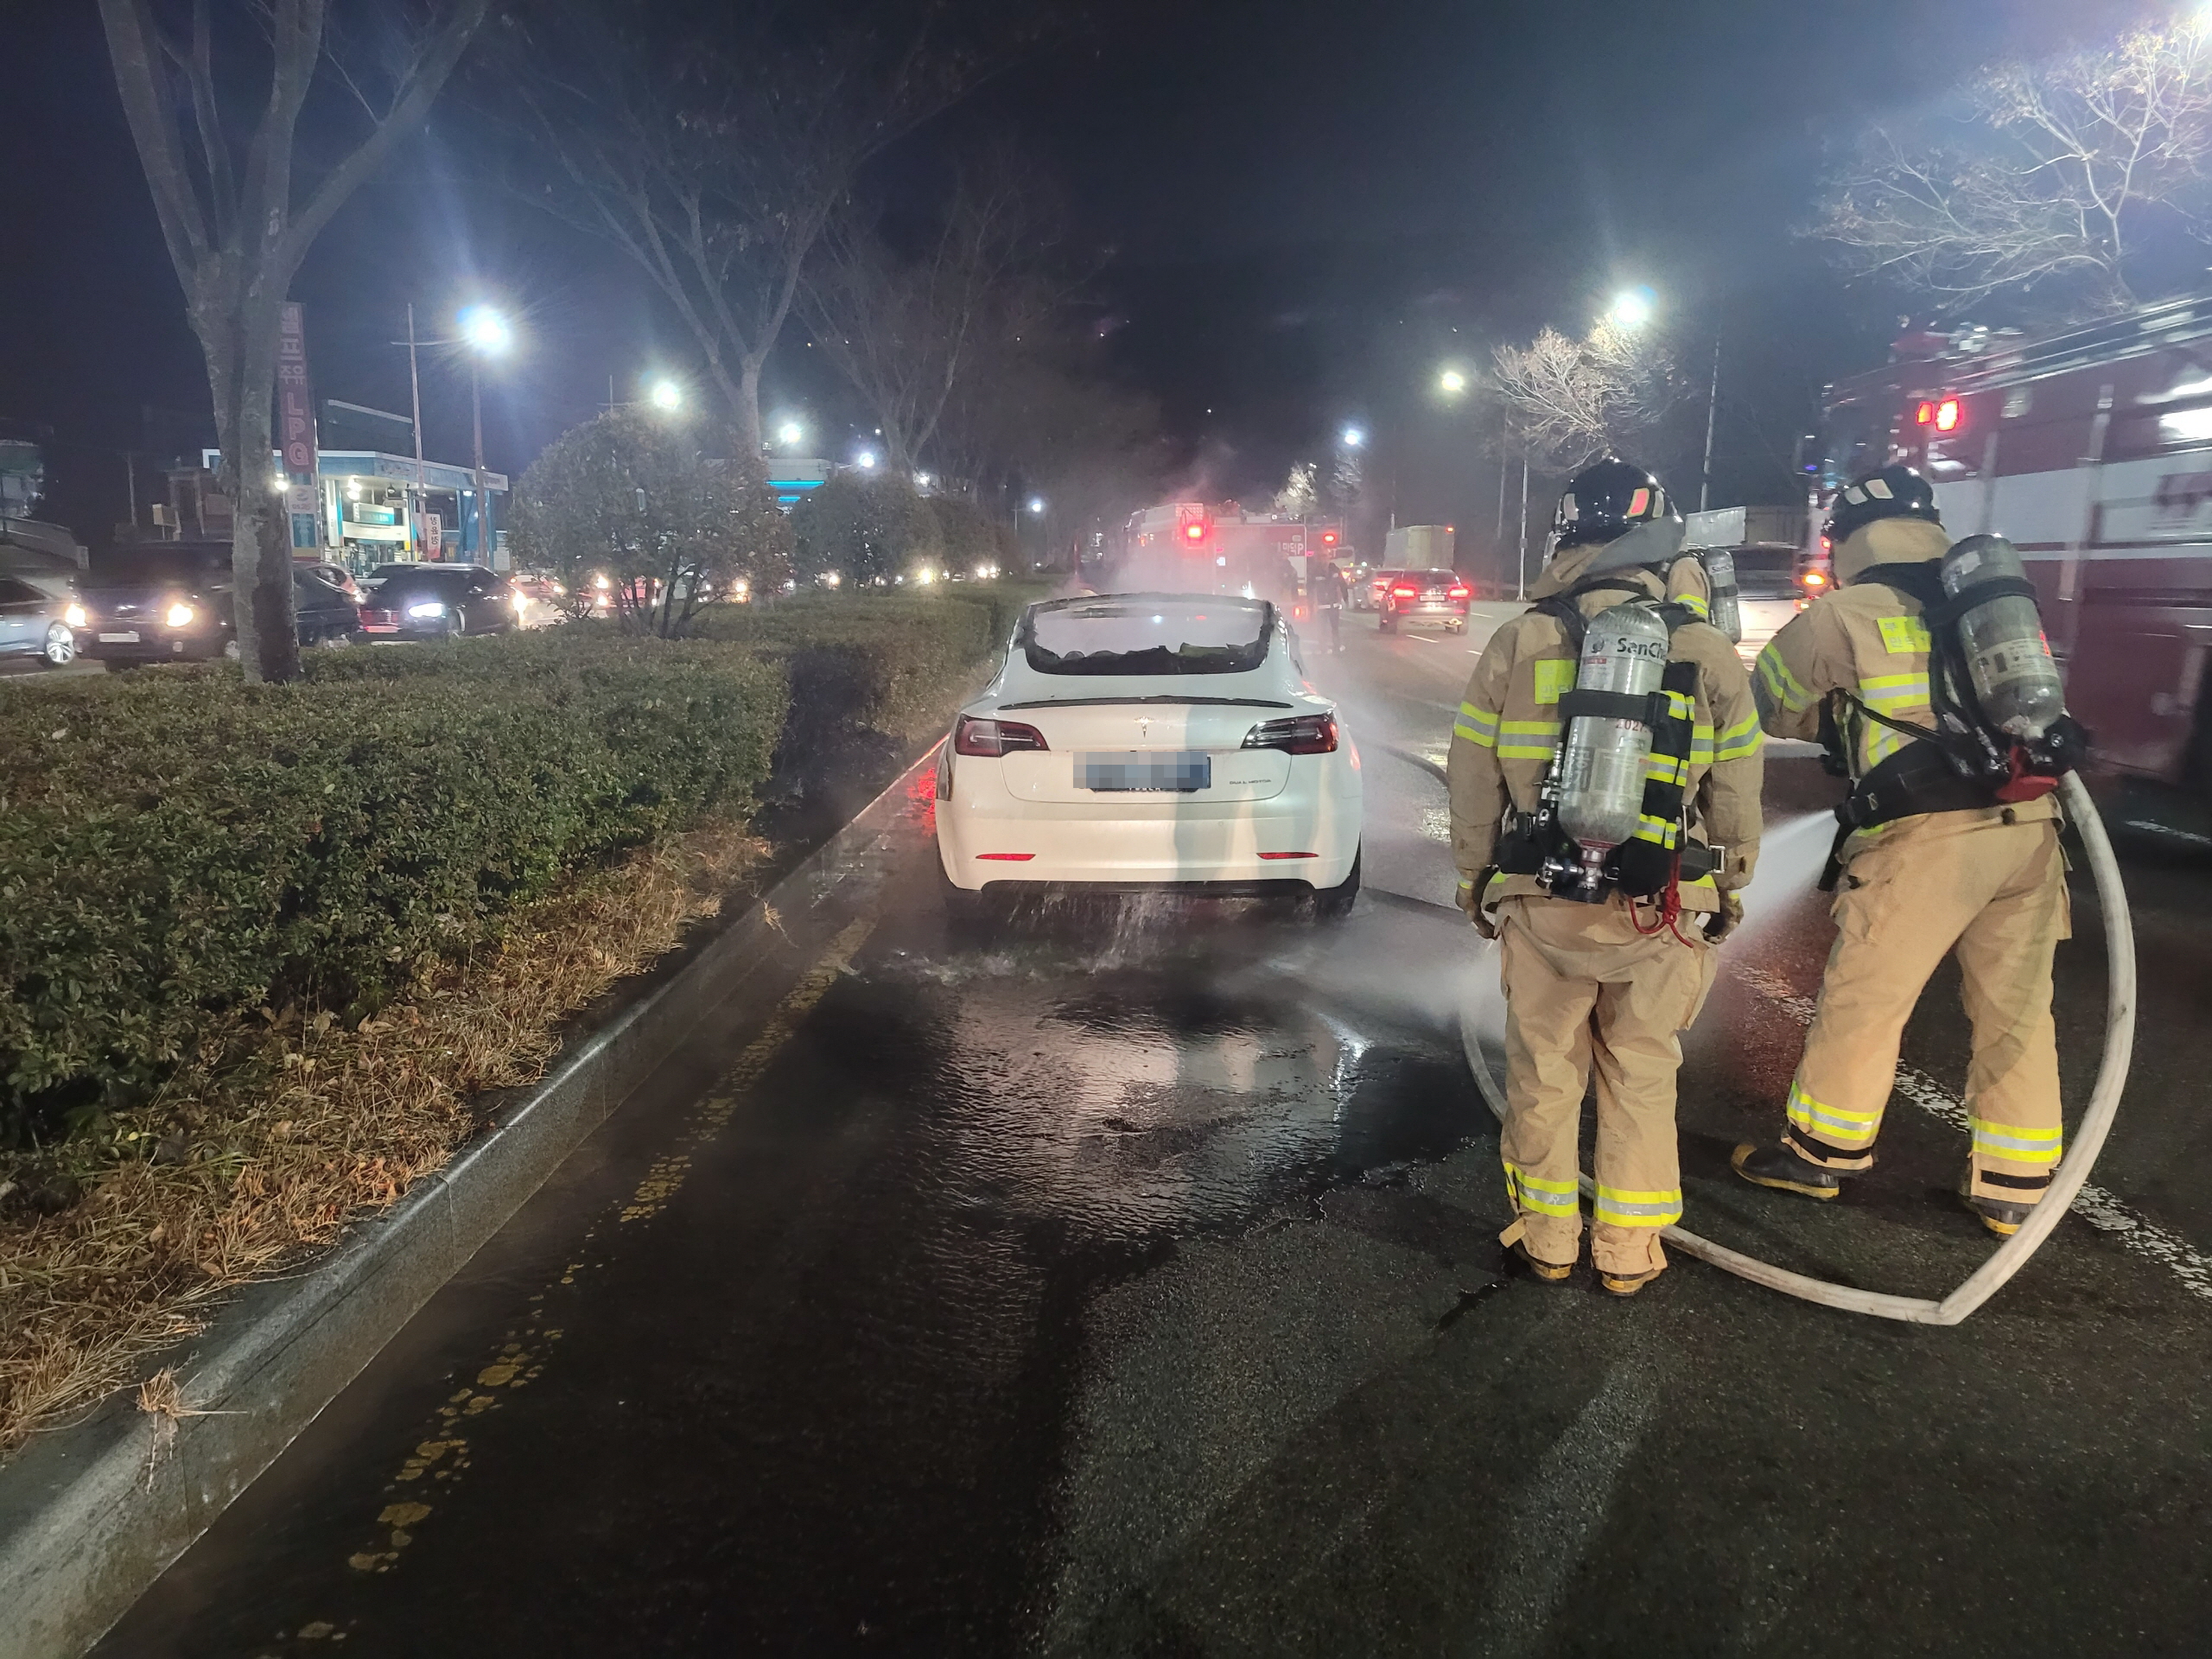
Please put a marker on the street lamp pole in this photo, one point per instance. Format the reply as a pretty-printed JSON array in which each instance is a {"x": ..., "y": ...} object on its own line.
[
  {"x": 1521, "y": 590},
  {"x": 476, "y": 408},
  {"x": 422, "y": 478},
  {"x": 1712, "y": 408}
]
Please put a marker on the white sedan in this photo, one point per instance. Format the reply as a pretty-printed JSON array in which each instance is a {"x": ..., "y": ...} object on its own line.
[{"x": 1140, "y": 739}]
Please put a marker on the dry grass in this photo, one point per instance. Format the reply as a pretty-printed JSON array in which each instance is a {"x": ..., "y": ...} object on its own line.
[{"x": 241, "y": 1168}]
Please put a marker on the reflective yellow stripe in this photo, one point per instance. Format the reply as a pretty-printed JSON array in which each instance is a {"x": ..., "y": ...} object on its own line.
[
  {"x": 1619, "y": 1207},
  {"x": 1527, "y": 739},
  {"x": 1477, "y": 726},
  {"x": 1664, "y": 831},
  {"x": 2015, "y": 1145},
  {"x": 1681, "y": 705},
  {"x": 1553, "y": 677},
  {"x": 1887, "y": 690},
  {"x": 1696, "y": 606},
  {"x": 1834, "y": 1125},
  {"x": 1739, "y": 741},
  {"x": 1660, "y": 769},
  {"x": 1780, "y": 683},
  {"x": 1535, "y": 1192},
  {"x": 1904, "y": 636}
]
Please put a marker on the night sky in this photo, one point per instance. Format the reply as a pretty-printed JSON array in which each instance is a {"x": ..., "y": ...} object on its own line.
[{"x": 1311, "y": 208}]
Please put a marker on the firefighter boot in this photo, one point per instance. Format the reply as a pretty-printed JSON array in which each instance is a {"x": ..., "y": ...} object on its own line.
[
  {"x": 2001, "y": 1218},
  {"x": 1517, "y": 1245},
  {"x": 1785, "y": 1172}
]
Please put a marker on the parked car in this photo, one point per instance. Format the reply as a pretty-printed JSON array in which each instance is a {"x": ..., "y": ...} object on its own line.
[
  {"x": 436, "y": 601},
  {"x": 337, "y": 576},
  {"x": 1151, "y": 740},
  {"x": 1426, "y": 596},
  {"x": 540, "y": 602},
  {"x": 172, "y": 602},
  {"x": 33, "y": 622}
]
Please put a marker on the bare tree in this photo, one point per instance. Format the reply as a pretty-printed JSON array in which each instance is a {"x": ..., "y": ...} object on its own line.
[
  {"x": 906, "y": 330},
  {"x": 717, "y": 170},
  {"x": 1563, "y": 401},
  {"x": 2046, "y": 188},
  {"x": 237, "y": 219},
  {"x": 1301, "y": 493}
]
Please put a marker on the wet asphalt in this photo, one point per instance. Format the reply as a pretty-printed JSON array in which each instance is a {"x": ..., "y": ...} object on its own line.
[{"x": 1122, "y": 1279}]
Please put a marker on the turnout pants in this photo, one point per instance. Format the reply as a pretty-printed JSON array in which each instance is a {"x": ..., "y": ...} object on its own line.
[
  {"x": 1995, "y": 893},
  {"x": 1584, "y": 993}
]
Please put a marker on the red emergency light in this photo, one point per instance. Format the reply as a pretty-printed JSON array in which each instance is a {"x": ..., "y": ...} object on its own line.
[
  {"x": 1944, "y": 416},
  {"x": 1328, "y": 538},
  {"x": 1194, "y": 533}
]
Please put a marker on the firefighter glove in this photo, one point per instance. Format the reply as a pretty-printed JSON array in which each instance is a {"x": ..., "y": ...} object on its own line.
[
  {"x": 1471, "y": 900},
  {"x": 1726, "y": 921}
]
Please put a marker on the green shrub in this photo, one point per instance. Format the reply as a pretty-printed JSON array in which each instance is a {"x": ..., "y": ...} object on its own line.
[{"x": 177, "y": 846}]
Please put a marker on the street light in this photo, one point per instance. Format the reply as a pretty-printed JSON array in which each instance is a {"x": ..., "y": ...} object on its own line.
[
  {"x": 666, "y": 395},
  {"x": 866, "y": 459},
  {"x": 1036, "y": 504},
  {"x": 1452, "y": 383},
  {"x": 1632, "y": 308},
  {"x": 790, "y": 433},
  {"x": 1353, "y": 437}
]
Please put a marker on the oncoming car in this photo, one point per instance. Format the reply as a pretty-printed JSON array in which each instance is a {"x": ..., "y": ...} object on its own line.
[{"x": 1139, "y": 740}]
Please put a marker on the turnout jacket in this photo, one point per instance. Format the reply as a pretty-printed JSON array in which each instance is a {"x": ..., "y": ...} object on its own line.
[{"x": 1509, "y": 728}]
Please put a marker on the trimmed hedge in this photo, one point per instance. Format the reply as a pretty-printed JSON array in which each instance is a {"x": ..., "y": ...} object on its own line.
[{"x": 177, "y": 846}]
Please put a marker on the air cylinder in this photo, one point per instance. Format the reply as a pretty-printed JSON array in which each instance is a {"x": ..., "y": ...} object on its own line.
[
  {"x": 1602, "y": 756},
  {"x": 2007, "y": 658},
  {"x": 1720, "y": 577}
]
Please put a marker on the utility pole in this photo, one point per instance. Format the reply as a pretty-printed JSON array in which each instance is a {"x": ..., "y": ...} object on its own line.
[
  {"x": 1522, "y": 591},
  {"x": 476, "y": 408},
  {"x": 1712, "y": 408},
  {"x": 422, "y": 490}
]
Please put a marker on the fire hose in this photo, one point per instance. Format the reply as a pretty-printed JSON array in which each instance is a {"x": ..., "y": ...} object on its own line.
[{"x": 2088, "y": 1140}]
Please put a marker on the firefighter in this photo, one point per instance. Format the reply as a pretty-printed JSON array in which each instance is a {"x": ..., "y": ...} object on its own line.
[
  {"x": 1929, "y": 863},
  {"x": 1328, "y": 590},
  {"x": 1603, "y": 986}
]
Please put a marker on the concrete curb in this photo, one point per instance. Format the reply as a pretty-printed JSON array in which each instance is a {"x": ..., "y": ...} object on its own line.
[{"x": 89, "y": 1518}]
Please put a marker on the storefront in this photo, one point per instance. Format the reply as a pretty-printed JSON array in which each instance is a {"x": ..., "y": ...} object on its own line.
[{"x": 370, "y": 508}]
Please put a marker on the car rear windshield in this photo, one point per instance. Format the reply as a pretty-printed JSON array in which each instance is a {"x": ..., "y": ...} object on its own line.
[
  {"x": 1138, "y": 636},
  {"x": 156, "y": 566},
  {"x": 1435, "y": 578},
  {"x": 403, "y": 580}
]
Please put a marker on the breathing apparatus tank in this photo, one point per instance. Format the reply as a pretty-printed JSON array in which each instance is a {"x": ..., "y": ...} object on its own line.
[
  {"x": 2001, "y": 637},
  {"x": 1720, "y": 577},
  {"x": 1601, "y": 755}
]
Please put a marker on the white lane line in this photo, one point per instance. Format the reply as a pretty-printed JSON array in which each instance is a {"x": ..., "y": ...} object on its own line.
[
  {"x": 2095, "y": 1204},
  {"x": 1554, "y": 1518}
]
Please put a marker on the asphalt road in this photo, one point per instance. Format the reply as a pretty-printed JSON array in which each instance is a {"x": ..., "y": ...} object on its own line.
[{"x": 1126, "y": 1283}]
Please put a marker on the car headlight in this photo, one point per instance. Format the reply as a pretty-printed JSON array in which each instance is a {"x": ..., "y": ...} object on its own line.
[
  {"x": 180, "y": 616},
  {"x": 74, "y": 616},
  {"x": 428, "y": 607},
  {"x": 522, "y": 603}
]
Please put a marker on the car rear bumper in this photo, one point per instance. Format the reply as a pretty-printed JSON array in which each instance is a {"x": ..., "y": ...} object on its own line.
[{"x": 983, "y": 841}]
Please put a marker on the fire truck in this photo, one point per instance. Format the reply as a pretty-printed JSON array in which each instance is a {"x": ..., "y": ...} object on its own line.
[
  {"x": 2091, "y": 449},
  {"x": 1191, "y": 547}
]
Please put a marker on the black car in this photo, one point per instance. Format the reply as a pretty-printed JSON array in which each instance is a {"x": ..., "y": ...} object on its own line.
[
  {"x": 171, "y": 602},
  {"x": 435, "y": 602}
]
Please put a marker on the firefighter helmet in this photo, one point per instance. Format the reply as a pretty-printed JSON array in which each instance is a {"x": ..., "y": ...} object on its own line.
[
  {"x": 1605, "y": 499},
  {"x": 1895, "y": 491}
]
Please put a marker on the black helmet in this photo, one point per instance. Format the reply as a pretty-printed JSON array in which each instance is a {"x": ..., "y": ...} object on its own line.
[
  {"x": 1896, "y": 491},
  {"x": 1605, "y": 499}
]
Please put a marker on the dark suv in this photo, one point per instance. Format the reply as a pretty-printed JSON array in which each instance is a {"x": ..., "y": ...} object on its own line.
[
  {"x": 435, "y": 602},
  {"x": 171, "y": 602}
]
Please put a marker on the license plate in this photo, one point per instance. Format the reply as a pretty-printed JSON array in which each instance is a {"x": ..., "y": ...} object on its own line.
[
  {"x": 1181, "y": 771},
  {"x": 129, "y": 639}
]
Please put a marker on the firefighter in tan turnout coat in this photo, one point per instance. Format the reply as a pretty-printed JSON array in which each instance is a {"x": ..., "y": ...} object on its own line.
[
  {"x": 1602, "y": 987},
  {"x": 1945, "y": 868}
]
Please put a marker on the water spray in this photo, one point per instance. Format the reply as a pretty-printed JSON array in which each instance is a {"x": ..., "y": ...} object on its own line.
[{"x": 2073, "y": 1171}]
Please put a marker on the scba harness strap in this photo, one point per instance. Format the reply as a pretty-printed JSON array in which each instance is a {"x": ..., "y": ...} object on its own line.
[{"x": 1662, "y": 853}]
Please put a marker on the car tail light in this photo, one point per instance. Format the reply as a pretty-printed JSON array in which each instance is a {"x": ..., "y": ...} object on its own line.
[
  {"x": 1406, "y": 593},
  {"x": 1814, "y": 579},
  {"x": 994, "y": 737},
  {"x": 1006, "y": 858},
  {"x": 1461, "y": 591},
  {"x": 1273, "y": 855},
  {"x": 1300, "y": 734},
  {"x": 1946, "y": 415}
]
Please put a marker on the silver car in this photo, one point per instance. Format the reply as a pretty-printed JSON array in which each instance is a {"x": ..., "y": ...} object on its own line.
[{"x": 36, "y": 622}]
